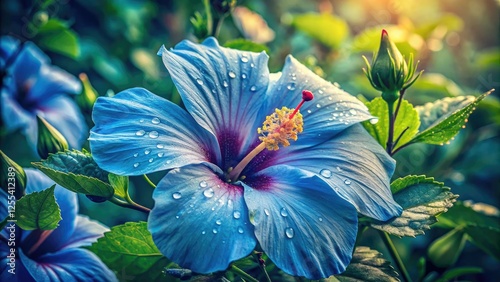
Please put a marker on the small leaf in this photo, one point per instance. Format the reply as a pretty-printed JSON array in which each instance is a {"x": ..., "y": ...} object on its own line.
[
  {"x": 443, "y": 119},
  {"x": 445, "y": 250},
  {"x": 422, "y": 199},
  {"x": 129, "y": 250},
  {"x": 470, "y": 214},
  {"x": 119, "y": 184},
  {"x": 485, "y": 238},
  {"x": 405, "y": 126},
  {"x": 38, "y": 210},
  {"x": 77, "y": 172},
  {"x": 457, "y": 272},
  {"x": 56, "y": 36},
  {"x": 246, "y": 45},
  {"x": 326, "y": 28},
  {"x": 367, "y": 265}
]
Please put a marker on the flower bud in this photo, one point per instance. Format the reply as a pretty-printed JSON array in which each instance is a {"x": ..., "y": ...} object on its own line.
[
  {"x": 13, "y": 177},
  {"x": 88, "y": 96},
  {"x": 445, "y": 251},
  {"x": 223, "y": 7},
  {"x": 200, "y": 26},
  {"x": 50, "y": 140},
  {"x": 389, "y": 71}
]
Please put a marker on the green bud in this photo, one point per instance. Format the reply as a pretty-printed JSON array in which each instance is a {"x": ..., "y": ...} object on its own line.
[
  {"x": 13, "y": 177},
  {"x": 445, "y": 251},
  {"x": 50, "y": 140},
  {"x": 389, "y": 71},
  {"x": 88, "y": 96},
  {"x": 223, "y": 7},
  {"x": 200, "y": 26}
]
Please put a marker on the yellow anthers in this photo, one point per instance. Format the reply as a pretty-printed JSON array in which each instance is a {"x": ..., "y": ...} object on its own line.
[{"x": 278, "y": 128}]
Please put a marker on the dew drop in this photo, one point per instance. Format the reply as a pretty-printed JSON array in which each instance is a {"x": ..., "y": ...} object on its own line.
[
  {"x": 291, "y": 86},
  {"x": 339, "y": 169},
  {"x": 209, "y": 193},
  {"x": 160, "y": 155},
  {"x": 147, "y": 151},
  {"x": 160, "y": 146},
  {"x": 203, "y": 232},
  {"x": 289, "y": 232},
  {"x": 318, "y": 106},
  {"x": 176, "y": 195},
  {"x": 203, "y": 184},
  {"x": 253, "y": 88},
  {"x": 326, "y": 173},
  {"x": 232, "y": 74},
  {"x": 240, "y": 230},
  {"x": 309, "y": 111},
  {"x": 153, "y": 134},
  {"x": 214, "y": 231},
  {"x": 353, "y": 112},
  {"x": 136, "y": 154},
  {"x": 225, "y": 84},
  {"x": 155, "y": 120},
  {"x": 320, "y": 91},
  {"x": 151, "y": 160},
  {"x": 200, "y": 82},
  {"x": 244, "y": 59},
  {"x": 141, "y": 120},
  {"x": 244, "y": 76},
  {"x": 218, "y": 222},
  {"x": 320, "y": 219},
  {"x": 347, "y": 182},
  {"x": 236, "y": 214},
  {"x": 336, "y": 84},
  {"x": 283, "y": 212},
  {"x": 266, "y": 211},
  {"x": 136, "y": 164},
  {"x": 374, "y": 120},
  {"x": 140, "y": 132},
  {"x": 252, "y": 65}
]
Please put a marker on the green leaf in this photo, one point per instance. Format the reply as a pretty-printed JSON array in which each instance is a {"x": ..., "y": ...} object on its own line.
[
  {"x": 367, "y": 265},
  {"x": 119, "y": 184},
  {"x": 55, "y": 35},
  {"x": 246, "y": 45},
  {"x": 129, "y": 250},
  {"x": 38, "y": 210},
  {"x": 457, "y": 272},
  {"x": 443, "y": 119},
  {"x": 445, "y": 250},
  {"x": 422, "y": 199},
  {"x": 405, "y": 126},
  {"x": 485, "y": 238},
  {"x": 470, "y": 214},
  {"x": 326, "y": 28},
  {"x": 77, "y": 172}
]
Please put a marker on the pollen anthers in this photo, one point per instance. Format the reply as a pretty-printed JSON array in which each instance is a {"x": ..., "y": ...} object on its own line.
[{"x": 279, "y": 127}]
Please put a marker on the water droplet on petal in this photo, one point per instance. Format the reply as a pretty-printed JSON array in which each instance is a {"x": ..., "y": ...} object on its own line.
[
  {"x": 289, "y": 232},
  {"x": 318, "y": 106},
  {"x": 203, "y": 184},
  {"x": 225, "y": 84},
  {"x": 218, "y": 222},
  {"x": 151, "y": 160},
  {"x": 153, "y": 134},
  {"x": 266, "y": 211},
  {"x": 160, "y": 146},
  {"x": 214, "y": 231},
  {"x": 244, "y": 59},
  {"x": 236, "y": 214},
  {"x": 232, "y": 74},
  {"x": 353, "y": 112},
  {"x": 326, "y": 173},
  {"x": 160, "y": 155},
  {"x": 136, "y": 164},
  {"x": 320, "y": 91},
  {"x": 200, "y": 82},
  {"x": 291, "y": 86},
  {"x": 336, "y": 84},
  {"x": 253, "y": 88},
  {"x": 283, "y": 212},
  {"x": 374, "y": 120},
  {"x": 347, "y": 182},
  {"x": 209, "y": 193},
  {"x": 176, "y": 195},
  {"x": 244, "y": 76},
  {"x": 240, "y": 230},
  {"x": 203, "y": 232},
  {"x": 155, "y": 120},
  {"x": 309, "y": 111},
  {"x": 142, "y": 120},
  {"x": 320, "y": 219},
  {"x": 140, "y": 132},
  {"x": 147, "y": 151},
  {"x": 136, "y": 154},
  {"x": 339, "y": 169}
]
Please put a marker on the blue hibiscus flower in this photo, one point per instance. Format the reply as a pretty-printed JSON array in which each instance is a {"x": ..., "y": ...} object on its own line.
[
  {"x": 31, "y": 86},
  {"x": 53, "y": 255},
  {"x": 228, "y": 188}
]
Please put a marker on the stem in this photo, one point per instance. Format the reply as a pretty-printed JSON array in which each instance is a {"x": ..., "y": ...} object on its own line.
[
  {"x": 217, "y": 24},
  {"x": 129, "y": 205},
  {"x": 208, "y": 12},
  {"x": 399, "y": 137},
  {"x": 390, "y": 140},
  {"x": 395, "y": 255},
  {"x": 262, "y": 265},
  {"x": 243, "y": 273},
  {"x": 149, "y": 181}
]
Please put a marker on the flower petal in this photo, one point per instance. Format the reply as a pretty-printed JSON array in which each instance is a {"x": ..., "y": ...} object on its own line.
[
  {"x": 68, "y": 203},
  {"x": 199, "y": 221},
  {"x": 52, "y": 81},
  {"x": 16, "y": 267},
  {"x": 27, "y": 65},
  {"x": 68, "y": 265},
  {"x": 137, "y": 132},
  {"x": 331, "y": 111},
  {"x": 14, "y": 116},
  {"x": 304, "y": 227},
  {"x": 353, "y": 164},
  {"x": 86, "y": 232},
  {"x": 222, "y": 88}
]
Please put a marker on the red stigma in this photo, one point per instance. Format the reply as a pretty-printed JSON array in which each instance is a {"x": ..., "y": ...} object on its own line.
[
  {"x": 307, "y": 95},
  {"x": 384, "y": 33}
]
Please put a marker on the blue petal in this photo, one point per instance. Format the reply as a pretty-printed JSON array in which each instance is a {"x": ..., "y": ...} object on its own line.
[
  {"x": 21, "y": 273},
  {"x": 304, "y": 227},
  {"x": 199, "y": 221},
  {"x": 86, "y": 232},
  {"x": 353, "y": 164},
  {"x": 68, "y": 265},
  {"x": 222, "y": 88},
  {"x": 27, "y": 65},
  {"x": 331, "y": 111},
  {"x": 52, "y": 81},
  {"x": 137, "y": 132},
  {"x": 8, "y": 47},
  {"x": 14, "y": 116},
  {"x": 68, "y": 203}
]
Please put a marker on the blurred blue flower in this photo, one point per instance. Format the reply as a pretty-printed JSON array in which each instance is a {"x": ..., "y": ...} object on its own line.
[
  {"x": 32, "y": 86},
  {"x": 299, "y": 203},
  {"x": 53, "y": 255}
]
